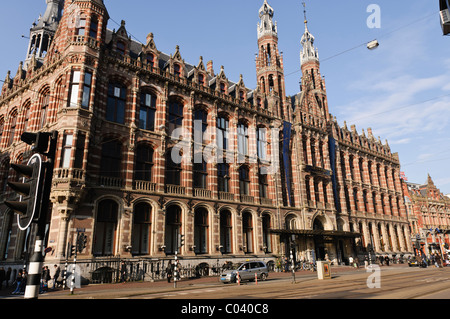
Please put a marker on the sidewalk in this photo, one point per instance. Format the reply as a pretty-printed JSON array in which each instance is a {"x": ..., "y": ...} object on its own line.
[{"x": 163, "y": 285}]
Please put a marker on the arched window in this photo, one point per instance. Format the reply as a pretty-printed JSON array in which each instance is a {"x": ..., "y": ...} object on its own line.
[
  {"x": 45, "y": 101},
  {"x": 144, "y": 163},
  {"x": 222, "y": 133},
  {"x": 201, "y": 231},
  {"x": 177, "y": 69},
  {"x": 200, "y": 175},
  {"x": 266, "y": 226},
  {"x": 93, "y": 30},
  {"x": 140, "y": 241},
  {"x": 147, "y": 111},
  {"x": 12, "y": 127},
  {"x": 244, "y": 180},
  {"x": 115, "y": 108},
  {"x": 223, "y": 177},
  {"x": 173, "y": 229},
  {"x": 105, "y": 230},
  {"x": 173, "y": 170},
  {"x": 263, "y": 184},
  {"x": 242, "y": 131},
  {"x": 247, "y": 232},
  {"x": 261, "y": 143},
  {"x": 175, "y": 116},
  {"x": 200, "y": 125},
  {"x": 226, "y": 232}
]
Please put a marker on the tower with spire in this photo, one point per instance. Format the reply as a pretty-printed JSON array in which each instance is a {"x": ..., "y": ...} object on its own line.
[
  {"x": 313, "y": 90},
  {"x": 269, "y": 63},
  {"x": 42, "y": 32}
]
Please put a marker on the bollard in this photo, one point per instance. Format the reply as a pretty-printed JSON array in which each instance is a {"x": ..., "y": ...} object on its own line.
[
  {"x": 256, "y": 279},
  {"x": 238, "y": 278}
]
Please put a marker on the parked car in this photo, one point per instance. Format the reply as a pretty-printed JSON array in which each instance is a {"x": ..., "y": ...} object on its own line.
[
  {"x": 414, "y": 262},
  {"x": 247, "y": 271}
]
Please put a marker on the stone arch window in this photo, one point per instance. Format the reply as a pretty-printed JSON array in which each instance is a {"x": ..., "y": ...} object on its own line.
[
  {"x": 2, "y": 128},
  {"x": 200, "y": 174},
  {"x": 142, "y": 224},
  {"x": 201, "y": 230},
  {"x": 318, "y": 225},
  {"x": 105, "y": 228},
  {"x": 93, "y": 29},
  {"x": 291, "y": 222},
  {"x": 173, "y": 229},
  {"x": 226, "y": 232}
]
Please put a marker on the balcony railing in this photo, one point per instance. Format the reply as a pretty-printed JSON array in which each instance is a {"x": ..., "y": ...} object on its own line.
[
  {"x": 175, "y": 189},
  {"x": 200, "y": 192},
  {"x": 226, "y": 196},
  {"x": 112, "y": 182},
  {"x": 144, "y": 186},
  {"x": 247, "y": 199}
]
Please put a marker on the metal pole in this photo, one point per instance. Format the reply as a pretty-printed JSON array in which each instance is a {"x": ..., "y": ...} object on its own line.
[
  {"x": 72, "y": 284},
  {"x": 175, "y": 273}
]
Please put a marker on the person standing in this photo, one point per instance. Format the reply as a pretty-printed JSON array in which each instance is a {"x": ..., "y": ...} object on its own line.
[
  {"x": 169, "y": 271},
  {"x": 56, "y": 276}
]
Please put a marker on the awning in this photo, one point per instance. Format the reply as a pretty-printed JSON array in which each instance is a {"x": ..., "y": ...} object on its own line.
[{"x": 316, "y": 233}]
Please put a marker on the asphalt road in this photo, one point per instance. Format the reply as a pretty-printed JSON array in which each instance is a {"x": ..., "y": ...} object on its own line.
[{"x": 393, "y": 282}]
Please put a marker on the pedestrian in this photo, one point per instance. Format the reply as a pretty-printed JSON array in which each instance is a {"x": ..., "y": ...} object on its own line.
[
  {"x": 386, "y": 259},
  {"x": 123, "y": 272},
  {"x": 23, "y": 283},
  {"x": 56, "y": 276},
  {"x": 356, "y": 262},
  {"x": 381, "y": 260},
  {"x": 169, "y": 271},
  {"x": 18, "y": 282},
  {"x": 45, "y": 278},
  {"x": 437, "y": 259},
  {"x": 350, "y": 261},
  {"x": 2, "y": 277}
]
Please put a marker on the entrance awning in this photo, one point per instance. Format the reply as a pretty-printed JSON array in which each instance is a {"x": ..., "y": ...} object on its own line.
[{"x": 316, "y": 233}]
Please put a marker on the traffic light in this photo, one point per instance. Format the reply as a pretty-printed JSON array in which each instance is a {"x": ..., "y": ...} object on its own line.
[
  {"x": 71, "y": 250},
  {"x": 180, "y": 240},
  {"x": 37, "y": 174},
  {"x": 28, "y": 207},
  {"x": 81, "y": 242}
]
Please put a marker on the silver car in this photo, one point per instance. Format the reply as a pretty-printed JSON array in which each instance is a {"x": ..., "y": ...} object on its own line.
[{"x": 246, "y": 271}]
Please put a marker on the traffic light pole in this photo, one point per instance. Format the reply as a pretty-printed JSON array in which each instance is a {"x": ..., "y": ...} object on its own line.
[{"x": 37, "y": 258}]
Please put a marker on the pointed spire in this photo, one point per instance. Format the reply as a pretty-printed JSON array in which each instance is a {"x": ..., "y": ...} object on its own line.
[
  {"x": 309, "y": 52},
  {"x": 266, "y": 26}
]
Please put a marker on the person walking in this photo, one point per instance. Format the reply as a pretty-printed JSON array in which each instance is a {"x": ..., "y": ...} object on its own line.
[
  {"x": 18, "y": 281},
  {"x": 386, "y": 259}
]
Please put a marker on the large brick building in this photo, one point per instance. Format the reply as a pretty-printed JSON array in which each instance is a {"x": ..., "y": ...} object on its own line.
[
  {"x": 429, "y": 217},
  {"x": 277, "y": 172}
]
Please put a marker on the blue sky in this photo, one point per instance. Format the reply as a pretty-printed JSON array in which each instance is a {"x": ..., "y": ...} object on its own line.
[{"x": 401, "y": 90}]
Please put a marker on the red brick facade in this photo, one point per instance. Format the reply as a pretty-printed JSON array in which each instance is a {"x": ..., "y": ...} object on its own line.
[{"x": 115, "y": 104}]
